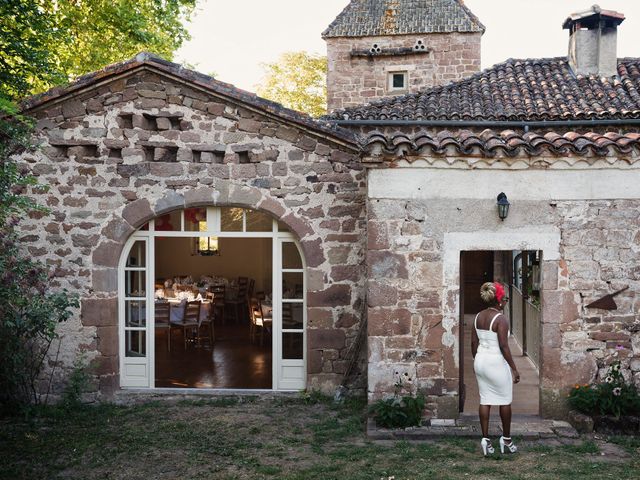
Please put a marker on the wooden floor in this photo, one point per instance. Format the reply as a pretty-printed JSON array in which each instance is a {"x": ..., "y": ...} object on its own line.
[
  {"x": 525, "y": 393},
  {"x": 233, "y": 362}
]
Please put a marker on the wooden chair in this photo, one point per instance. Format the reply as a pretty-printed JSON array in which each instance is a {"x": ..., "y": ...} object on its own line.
[
  {"x": 218, "y": 293},
  {"x": 258, "y": 320},
  {"x": 207, "y": 322},
  {"x": 240, "y": 304},
  {"x": 190, "y": 320},
  {"x": 162, "y": 320}
]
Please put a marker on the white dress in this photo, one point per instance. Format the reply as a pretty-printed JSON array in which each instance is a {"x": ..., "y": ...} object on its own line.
[{"x": 492, "y": 370}]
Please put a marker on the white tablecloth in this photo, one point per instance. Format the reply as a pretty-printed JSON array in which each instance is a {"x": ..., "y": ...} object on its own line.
[{"x": 176, "y": 308}]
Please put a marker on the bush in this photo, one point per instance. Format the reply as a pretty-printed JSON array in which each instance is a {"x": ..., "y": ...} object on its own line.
[
  {"x": 612, "y": 397},
  {"x": 29, "y": 312},
  {"x": 399, "y": 411}
]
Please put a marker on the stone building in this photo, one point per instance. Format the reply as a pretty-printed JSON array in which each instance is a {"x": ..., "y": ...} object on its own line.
[
  {"x": 380, "y": 48},
  {"x": 365, "y": 217}
]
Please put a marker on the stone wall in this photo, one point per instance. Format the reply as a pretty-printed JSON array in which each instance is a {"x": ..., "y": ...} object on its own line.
[
  {"x": 120, "y": 153},
  {"x": 590, "y": 248},
  {"x": 356, "y": 80}
]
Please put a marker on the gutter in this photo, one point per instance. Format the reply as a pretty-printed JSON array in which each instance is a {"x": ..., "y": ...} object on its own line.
[{"x": 526, "y": 125}]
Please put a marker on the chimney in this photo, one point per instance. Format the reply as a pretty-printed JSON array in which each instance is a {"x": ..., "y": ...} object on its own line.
[{"x": 593, "y": 41}]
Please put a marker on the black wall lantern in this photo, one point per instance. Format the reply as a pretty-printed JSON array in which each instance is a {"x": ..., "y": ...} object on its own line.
[{"x": 503, "y": 206}]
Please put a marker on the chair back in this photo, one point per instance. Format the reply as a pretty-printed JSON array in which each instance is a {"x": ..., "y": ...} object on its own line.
[
  {"x": 162, "y": 313},
  {"x": 243, "y": 287},
  {"x": 192, "y": 311},
  {"x": 255, "y": 311},
  {"x": 252, "y": 284}
]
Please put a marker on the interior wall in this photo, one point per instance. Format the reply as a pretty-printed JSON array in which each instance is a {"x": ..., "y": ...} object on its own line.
[{"x": 247, "y": 257}]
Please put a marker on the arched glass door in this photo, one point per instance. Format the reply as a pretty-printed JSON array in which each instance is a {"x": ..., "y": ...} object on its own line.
[{"x": 206, "y": 226}]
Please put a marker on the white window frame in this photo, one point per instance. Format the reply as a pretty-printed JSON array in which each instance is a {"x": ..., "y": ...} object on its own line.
[
  {"x": 390, "y": 76},
  {"x": 282, "y": 379}
]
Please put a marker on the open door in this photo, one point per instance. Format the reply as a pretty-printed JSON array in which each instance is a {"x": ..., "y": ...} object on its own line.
[
  {"x": 135, "y": 310},
  {"x": 463, "y": 389},
  {"x": 289, "y": 335}
]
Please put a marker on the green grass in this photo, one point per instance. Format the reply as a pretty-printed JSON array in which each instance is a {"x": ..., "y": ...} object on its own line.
[{"x": 296, "y": 438}]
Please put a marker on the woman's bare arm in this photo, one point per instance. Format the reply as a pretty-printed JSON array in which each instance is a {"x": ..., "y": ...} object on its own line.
[
  {"x": 503, "y": 341},
  {"x": 474, "y": 342}
]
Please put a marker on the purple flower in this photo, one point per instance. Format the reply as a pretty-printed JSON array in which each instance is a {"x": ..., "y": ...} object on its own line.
[
  {"x": 619, "y": 347},
  {"x": 617, "y": 391}
]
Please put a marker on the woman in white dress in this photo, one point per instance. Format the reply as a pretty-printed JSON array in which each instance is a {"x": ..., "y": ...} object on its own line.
[{"x": 495, "y": 370}]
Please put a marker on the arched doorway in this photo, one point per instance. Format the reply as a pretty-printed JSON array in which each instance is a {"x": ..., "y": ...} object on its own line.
[{"x": 194, "y": 238}]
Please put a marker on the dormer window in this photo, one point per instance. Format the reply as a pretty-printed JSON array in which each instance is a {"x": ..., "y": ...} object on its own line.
[{"x": 398, "y": 81}]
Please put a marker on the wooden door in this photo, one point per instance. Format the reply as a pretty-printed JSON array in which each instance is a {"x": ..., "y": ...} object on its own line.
[{"x": 478, "y": 269}]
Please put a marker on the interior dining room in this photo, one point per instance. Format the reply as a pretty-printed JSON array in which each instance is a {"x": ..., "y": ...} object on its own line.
[{"x": 213, "y": 314}]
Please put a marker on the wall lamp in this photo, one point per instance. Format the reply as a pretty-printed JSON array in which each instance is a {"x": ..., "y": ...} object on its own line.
[{"x": 503, "y": 206}]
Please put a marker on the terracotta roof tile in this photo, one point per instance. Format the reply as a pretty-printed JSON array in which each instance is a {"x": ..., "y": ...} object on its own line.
[
  {"x": 509, "y": 143},
  {"x": 523, "y": 90},
  {"x": 363, "y": 18}
]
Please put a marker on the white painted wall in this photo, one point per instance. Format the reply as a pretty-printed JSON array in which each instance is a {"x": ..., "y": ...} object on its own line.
[{"x": 434, "y": 183}]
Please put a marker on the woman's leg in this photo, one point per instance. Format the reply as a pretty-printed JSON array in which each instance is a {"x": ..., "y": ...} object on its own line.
[
  {"x": 505, "y": 416},
  {"x": 484, "y": 411}
]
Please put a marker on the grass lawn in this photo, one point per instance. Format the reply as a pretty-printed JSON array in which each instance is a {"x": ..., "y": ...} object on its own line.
[{"x": 255, "y": 438}]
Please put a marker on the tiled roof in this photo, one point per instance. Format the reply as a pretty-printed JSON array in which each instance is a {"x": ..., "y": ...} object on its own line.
[
  {"x": 507, "y": 143},
  {"x": 363, "y": 18},
  {"x": 200, "y": 80},
  {"x": 521, "y": 90}
]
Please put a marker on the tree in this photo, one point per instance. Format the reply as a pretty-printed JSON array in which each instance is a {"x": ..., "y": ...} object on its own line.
[
  {"x": 47, "y": 42},
  {"x": 298, "y": 80}
]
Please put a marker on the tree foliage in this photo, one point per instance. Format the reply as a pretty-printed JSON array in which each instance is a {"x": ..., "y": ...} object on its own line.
[
  {"x": 298, "y": 80},
  {"x": 48, "y": 42}
]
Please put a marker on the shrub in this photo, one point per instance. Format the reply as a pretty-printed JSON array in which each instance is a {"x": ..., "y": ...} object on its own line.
[
  {"x": 29, "y": 312},
  {"x": 399, "y": 411},
  {"x": 612, "y": 397}
]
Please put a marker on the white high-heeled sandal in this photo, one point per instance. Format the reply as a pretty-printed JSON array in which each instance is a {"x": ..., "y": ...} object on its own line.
[
  {"x": 509, "y": 446},
  {"x": 485, "y": 443}
]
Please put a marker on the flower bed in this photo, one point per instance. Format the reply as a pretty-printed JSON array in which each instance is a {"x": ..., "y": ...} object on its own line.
[{"x": 613, "y": 405}]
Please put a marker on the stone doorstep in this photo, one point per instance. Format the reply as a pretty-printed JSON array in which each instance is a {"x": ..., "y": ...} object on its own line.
[{"x": 525, "y": 428}]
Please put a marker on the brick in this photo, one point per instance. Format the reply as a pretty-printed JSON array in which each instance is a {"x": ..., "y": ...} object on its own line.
[
  {"x": 107, "y": 254},
  {"x": 332, "y": 296},
  {"x": 99, "y": 312},
  {"x": 383, "y": 264},
  {"x": 321, "y": 339},
  {"x": 138, "y": 212}
]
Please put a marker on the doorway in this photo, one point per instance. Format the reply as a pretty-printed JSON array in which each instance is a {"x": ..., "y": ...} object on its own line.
[
  {"x": 212, "y": 298},
  {"x": 522, "y": 311}
]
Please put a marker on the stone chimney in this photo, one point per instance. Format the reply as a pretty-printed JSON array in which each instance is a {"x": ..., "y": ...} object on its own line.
[{"x": 593, "y": 41}]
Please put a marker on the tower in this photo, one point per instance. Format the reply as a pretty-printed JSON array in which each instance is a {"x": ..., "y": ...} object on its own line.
[{"x": 378, "y": 48}]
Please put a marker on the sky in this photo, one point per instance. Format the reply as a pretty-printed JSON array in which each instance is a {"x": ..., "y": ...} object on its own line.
[{"x": 232, "y": 39}]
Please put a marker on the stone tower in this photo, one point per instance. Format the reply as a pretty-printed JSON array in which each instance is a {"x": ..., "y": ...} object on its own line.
[{"x": 378, "y": 48}]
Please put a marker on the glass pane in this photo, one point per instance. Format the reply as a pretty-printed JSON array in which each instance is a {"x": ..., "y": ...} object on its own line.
[
  {"x": 137, "y": 255},
  {"x": 135, "y": 313},
  {"x": 292, "y": 318},
  {"x": 171, "y": 222},
  {"x": 292, "y": 285},
  {"x": 135, "y": 343},
  {"x": 292, "y": 346},
  {"x": 282, "y": 227},
  {"x": 290, "y": 256},
  {"x": 258, "y": 222},
  {"x": 145, "y": 227},
  {"x": 135, "y": 284},
  {"x": 195, "y": 220},
  {"x": 231, "y": 219}
]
